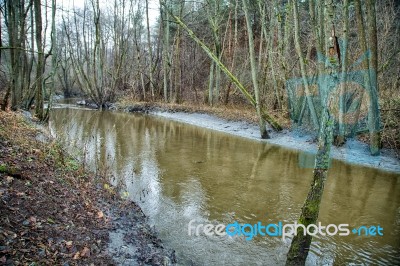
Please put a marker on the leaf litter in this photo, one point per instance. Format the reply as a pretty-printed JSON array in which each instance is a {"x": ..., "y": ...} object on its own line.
[{"x": 54, "y": 215}]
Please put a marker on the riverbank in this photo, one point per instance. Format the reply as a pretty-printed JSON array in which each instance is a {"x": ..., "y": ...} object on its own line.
[
  {"x": 226, "y": 120},
  {"x": 53, "y": 212}
]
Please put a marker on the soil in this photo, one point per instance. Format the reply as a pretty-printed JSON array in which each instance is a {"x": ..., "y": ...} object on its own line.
[{"x": 53, "y": 212}]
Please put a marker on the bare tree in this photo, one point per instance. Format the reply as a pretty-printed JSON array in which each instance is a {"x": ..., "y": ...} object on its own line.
[
  {"x": 149, "y": 45},
  {"x": 301, "y": 242},
  {"x": 254, "y": 72},
  {"x": 166, "y": 47},
  {"x": 303, "y": 67},
  {"x": 229, "y": 74},
  {"x": 214, "y": 16},
  {"x": 39, "y": 98}
]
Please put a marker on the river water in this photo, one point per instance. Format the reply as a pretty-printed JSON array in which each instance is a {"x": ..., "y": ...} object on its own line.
[{"x": 178, "y": 173}]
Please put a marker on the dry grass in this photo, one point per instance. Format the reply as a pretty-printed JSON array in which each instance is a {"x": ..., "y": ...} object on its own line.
[
  {"x": 243, "y": 112},
  {"x": 14, "y": 126},
  {"x": 231, "y": 113}
]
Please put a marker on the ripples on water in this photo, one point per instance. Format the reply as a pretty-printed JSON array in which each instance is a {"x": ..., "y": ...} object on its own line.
[{"x": 178, "y": 172}]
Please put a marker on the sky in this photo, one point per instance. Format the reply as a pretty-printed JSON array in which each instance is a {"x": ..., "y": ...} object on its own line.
[{"x": 153, "y": 7}]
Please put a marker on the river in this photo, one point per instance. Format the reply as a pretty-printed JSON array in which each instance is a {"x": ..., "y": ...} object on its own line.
[{"x": 178, "y": 173}]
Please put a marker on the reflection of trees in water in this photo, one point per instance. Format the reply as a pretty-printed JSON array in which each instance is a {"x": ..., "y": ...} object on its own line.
[
  {"x": 237, "y": 176},
  {"x": 219, "y": 176},
  {"x": 361, "y": 196}
]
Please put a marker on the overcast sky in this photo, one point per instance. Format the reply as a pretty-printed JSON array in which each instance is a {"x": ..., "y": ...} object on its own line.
[{"x": 153, "y": 6}]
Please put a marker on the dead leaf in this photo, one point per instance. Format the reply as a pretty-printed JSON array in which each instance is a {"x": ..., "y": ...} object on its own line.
[
  {"x": 77, "y": 256},
  {"x": 68, "y": 244},
  {"x": 11, "y": 234},
  {"x": 3, "y": 260},
  {"x": 9, "y": 179},
  {"x": 32, "y": 219},
  {"x": 85, "y": 252},
  {"x": 100, "y": 214}
]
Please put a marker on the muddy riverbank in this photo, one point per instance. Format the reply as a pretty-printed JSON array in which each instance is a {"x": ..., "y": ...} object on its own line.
[
  {"x": 55, "y": 212},
  {"x": 354, "y": 151}
]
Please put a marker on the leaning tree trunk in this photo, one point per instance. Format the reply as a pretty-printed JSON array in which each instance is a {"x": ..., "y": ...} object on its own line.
[
  {"x": 224, "y": 69},
  {"x": 301, "y": 242}
]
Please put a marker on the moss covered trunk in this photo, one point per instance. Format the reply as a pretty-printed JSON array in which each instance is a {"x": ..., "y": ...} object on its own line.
[
  {"x": 300, "y": 246},
  {"x": 301, "y": 242}
]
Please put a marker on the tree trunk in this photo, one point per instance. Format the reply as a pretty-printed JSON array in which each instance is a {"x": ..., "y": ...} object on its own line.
[
  {"x": 340, "y": 138},
  {"x": 310, "y": 102},
  {"x": 254, "y": 72},
  {"x": 150, "y": 51},
  {"x": 14, "y": 17},
  {"x": 373, "y": 110},
  {"x": 54, "y": 58},
  {"x": 211, "y": 84},
  {"x": 301, "y": 242},
  {"x": 370, "y": 81},
  {"x": 214, "y": 17},
  {"x": 165, "y": 50},
  {"x": 232, "y": 77},
  {"x": 40, "y": 60}
]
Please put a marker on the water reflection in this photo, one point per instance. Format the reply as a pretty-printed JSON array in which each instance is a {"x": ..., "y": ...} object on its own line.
[{"x": 178, "y": 172}]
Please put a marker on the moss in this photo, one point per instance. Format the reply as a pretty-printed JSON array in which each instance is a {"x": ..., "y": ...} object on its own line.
[
  {"x": 294, "y": 249},
  {"x": 312, "y": 209},
  {"x": 72, "y": 165},
  {"x": 3, "y": 168}
]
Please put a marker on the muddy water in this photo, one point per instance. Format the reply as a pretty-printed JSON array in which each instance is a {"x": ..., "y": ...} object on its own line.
[{"x": 178, "y": 173}]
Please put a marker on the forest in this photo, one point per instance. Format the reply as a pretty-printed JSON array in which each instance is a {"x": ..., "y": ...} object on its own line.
[
  {"x": 270, "y": 55},
  {"x": 326, "y": 66}
]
